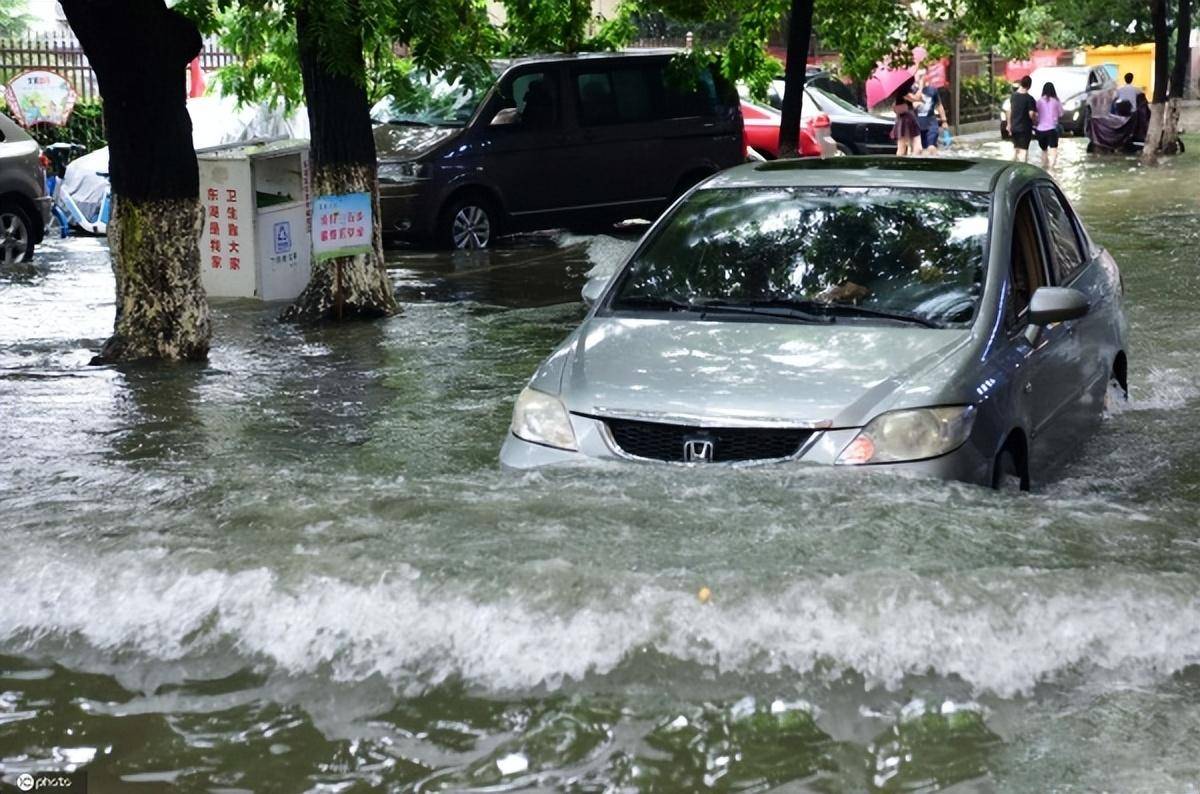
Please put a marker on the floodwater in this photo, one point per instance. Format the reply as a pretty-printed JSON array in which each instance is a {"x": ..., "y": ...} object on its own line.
[{"x": 299, "y": 568}]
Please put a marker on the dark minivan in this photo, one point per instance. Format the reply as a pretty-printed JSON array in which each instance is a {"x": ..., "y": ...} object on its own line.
[{"x": 574, "y": 141}]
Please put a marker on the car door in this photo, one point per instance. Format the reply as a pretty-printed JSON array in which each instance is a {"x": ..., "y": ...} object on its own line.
[
  {"x": 525, "y": 152},
  {"x": 1042, "y": 363},
  {"x": 1073, "y": 265},
  {"x": 619, "y": 151}
]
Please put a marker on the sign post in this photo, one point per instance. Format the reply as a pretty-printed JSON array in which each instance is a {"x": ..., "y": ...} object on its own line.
[{"x": 342, "y": 225}]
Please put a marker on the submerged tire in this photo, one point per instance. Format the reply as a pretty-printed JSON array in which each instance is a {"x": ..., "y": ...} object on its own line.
[
  {"x": 1007, "y": 473},
  {"x": 468, "y": 223},
  {"x": 16, "y": 235}
]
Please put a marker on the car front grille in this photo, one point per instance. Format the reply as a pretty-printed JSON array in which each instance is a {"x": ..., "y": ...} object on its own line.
[{"x": 658, "y": 441}]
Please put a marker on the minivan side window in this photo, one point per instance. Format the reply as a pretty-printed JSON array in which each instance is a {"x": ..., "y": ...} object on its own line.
[
  {"x": 534, "y": 97},
  {"x": 1028, "y": 269},
  {"x": 614, "y": 96},
  {"x": 688, "y": 98},
  {"x": 1068, "y": 258}
]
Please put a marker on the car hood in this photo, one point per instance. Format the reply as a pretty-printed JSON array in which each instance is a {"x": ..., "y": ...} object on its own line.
[
  {"x": 824, "y": 375},
  {"x": 398, "y": 142}
]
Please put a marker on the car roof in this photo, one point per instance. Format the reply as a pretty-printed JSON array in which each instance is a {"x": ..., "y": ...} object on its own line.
[
  {"x": 557, "y": 57},
  {"x": 935, "y": 173}
]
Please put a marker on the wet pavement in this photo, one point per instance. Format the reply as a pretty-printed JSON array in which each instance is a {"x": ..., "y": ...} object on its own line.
[{"x": 299, "y": 568}]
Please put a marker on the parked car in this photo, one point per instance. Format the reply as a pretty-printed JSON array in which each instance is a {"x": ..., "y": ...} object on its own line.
[
  {"x": 24, "y": 206},
  {"x": 573, "y": 141},
  {"x": 761, "y": 133},
  {"x": 855, "y": 130},
  {"x": 938, "y": 317},
  {"x": 1076, "y": 87}
]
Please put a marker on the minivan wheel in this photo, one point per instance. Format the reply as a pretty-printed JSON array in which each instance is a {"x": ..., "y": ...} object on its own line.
[
  {"x": 468, "y": 223},
  {"x": 1007, "y": 474},
  {"x": 16, "y": 235}
]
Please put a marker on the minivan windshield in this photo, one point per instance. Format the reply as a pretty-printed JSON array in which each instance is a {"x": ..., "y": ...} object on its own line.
[
  {"x": 436, "y": 100},
  {"x": 815, "y": 254}
]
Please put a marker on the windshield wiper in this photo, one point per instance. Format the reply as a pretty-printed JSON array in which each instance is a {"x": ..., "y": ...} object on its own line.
[
  {"x": 867, "y": 311},
  {"x": 787, "y": 310},
  {"x": 409, "y": 123},
  {"x": 774, "y": 309}
]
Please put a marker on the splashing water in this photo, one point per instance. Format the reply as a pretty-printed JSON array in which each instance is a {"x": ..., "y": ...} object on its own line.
[{"x": 299, "y": 568}]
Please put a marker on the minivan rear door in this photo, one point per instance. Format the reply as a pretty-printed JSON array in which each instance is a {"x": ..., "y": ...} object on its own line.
[{"x": 620, "y": 162}]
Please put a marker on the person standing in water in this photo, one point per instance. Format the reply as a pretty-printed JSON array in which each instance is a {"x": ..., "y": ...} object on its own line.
[
  {"x": 1021, "y": 111},
  {"x": 1049, "y": 111}
]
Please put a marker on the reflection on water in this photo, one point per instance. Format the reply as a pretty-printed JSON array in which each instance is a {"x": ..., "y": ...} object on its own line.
[{"x": 299, "y": 567}]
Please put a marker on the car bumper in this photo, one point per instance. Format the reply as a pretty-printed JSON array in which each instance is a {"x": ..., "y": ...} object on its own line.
[
  {"x": 968, "y": 463},
  {"x": 407, "y": 209},
  {"x": 1073, "y": 121}
]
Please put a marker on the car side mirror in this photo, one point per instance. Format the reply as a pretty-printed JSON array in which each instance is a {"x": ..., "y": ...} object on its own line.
[
  {"x": 1051, "y": 305},
  {"x": 1056, "y": 305},
  {"x": 505, "y": 116},
  {"x": 593, "y": 289}
]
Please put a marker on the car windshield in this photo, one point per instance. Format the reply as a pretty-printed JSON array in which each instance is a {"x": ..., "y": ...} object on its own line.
[
  {"x": 433, "y": 100},
  {"x": 1066, "y": 84},
  {"x": 831, "y": 103},
  {"x": 833, "y": 254}
]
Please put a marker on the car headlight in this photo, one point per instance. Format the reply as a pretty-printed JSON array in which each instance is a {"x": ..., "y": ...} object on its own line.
[
  {"x": 542, "y": 419},
  {"x": 912, "y": 434},
  {"x": 404, "y": 172},
  {"x": 1072, "y": 104}
]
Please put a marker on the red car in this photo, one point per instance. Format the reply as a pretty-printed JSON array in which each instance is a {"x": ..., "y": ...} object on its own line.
[{"x": 761, "y": 133}]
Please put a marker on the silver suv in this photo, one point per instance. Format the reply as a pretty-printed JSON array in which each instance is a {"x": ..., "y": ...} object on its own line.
[{"x": 24, "y": 205}]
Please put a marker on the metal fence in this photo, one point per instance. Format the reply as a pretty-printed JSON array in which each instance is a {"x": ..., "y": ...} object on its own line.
[{"x": 62, "y": 54}]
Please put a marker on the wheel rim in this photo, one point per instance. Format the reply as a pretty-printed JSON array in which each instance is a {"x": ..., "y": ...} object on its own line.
[
  {"x": 14, "y": 238},
  {"x": 472, "y": 227}
]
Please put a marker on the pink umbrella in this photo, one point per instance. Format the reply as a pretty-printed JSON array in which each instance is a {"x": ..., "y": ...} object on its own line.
[{"x": 885, "y": 83}]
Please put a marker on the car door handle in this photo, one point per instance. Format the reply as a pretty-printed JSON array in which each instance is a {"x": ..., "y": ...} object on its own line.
[{"x": 1028, "y": 387}]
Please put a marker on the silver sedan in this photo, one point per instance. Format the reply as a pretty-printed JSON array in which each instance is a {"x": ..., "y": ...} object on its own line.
[{"x": 940, "y": 317}]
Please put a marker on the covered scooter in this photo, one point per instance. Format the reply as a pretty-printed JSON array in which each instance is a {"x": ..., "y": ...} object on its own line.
[{"x": 1118, "y": 133}]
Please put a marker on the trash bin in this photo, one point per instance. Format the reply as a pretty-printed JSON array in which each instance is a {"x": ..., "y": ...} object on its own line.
[{"x": 256, "y": 240}]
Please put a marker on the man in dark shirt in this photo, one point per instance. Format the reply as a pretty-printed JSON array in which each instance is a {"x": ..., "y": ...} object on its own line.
[{"x": 1021, "y": 112}]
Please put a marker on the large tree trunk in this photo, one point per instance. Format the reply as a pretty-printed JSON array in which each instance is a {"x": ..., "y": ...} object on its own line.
[
  {"x": 1183, "y": 54},
  {"x": 139, "y": 50},
  {"x": 343, "y": 161},
  {"x": 1156, "y": 135},
  {"x": 799, "y": 34}
]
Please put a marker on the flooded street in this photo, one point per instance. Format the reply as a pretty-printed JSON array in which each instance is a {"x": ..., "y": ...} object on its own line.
[{"x": 300, "y": 568}]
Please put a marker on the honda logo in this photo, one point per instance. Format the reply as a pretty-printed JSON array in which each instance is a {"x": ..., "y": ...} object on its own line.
[{"x": 698, "y": 450}]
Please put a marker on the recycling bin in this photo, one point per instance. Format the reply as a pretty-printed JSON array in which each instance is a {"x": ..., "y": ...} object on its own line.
[{"x": 256, "y": 240}]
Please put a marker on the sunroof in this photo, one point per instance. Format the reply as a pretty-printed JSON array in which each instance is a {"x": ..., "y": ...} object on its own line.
[{"x": 937, "y": 165}]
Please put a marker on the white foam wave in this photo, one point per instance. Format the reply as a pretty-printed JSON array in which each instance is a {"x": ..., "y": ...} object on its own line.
[
  {"x": 1163, "y": 390},
  {"x": 1002, "y": 632}
]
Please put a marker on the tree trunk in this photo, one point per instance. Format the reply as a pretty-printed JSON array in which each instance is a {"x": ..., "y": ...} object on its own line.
[
  {"x": 799, "y": 34},
  {"x": 1183, "y": 49},
  {"x": 1156, "y": 135},
  {"x": 139, "y": 50},
  {"x": 342, "y": 153}
]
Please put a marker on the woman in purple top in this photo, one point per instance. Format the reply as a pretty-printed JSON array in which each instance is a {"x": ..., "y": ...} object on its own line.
[{"x": 1049, "y": 111}]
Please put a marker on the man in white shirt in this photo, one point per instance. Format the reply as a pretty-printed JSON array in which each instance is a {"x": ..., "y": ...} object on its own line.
[{"x": 1128, "y": 92}]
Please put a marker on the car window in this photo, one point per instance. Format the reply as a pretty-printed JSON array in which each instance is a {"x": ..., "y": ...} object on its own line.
[
  {"x": 1067, "y": 257},
  {"x": 533, "y": 95},
  {"x": 915, "y": 252},
  {"x": 614, "y": 96},
  {"x": 689, "y": 95},
  {"x": 1028, "y": 267}
]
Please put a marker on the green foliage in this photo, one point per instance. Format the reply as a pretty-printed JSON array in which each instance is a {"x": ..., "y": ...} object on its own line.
[
  {"x": 1102, "y": 22},
  {"x": 983, "y": 91},
  {"x": 451, "y": 35},
  {"x": 13, "y": 19},
  {"x": 86, "y": 127}
]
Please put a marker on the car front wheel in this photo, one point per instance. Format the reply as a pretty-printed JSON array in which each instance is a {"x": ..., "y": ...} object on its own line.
[
  {"x": 1007, "y": 472},
  {"x": 16, "y": 235},
  {"x": 468, "y": 223}
]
